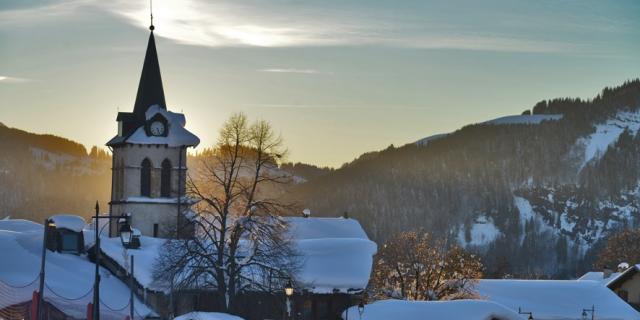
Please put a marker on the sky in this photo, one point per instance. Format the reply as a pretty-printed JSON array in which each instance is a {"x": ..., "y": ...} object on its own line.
[{"x": 335, "y": 78}]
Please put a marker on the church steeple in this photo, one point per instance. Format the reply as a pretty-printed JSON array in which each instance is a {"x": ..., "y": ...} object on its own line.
[{"x": 150, "y": 91}]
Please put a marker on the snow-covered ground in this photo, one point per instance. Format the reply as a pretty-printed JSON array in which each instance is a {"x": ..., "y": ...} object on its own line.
[
  {"x": 437, "y": 310},
  {"x": 69, "y": 277},
  {"x": 425, "y": 141},
  {"x": 483, "y": 232},
  {"x": 557, "y": 299},
  {"x": 207, "y": 316},
  {"x": 606, "y": 134},
  {"x": 524, "y": 119}
]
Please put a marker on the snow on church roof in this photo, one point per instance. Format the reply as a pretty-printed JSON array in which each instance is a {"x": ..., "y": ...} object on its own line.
[
  {"x": 177, "y": 135},
  {"x": 67, "y": 275},
  {"x": 557, "y": 299}
]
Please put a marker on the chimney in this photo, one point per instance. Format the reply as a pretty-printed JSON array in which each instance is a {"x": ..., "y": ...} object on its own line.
[{"x": 606, "y": 272}]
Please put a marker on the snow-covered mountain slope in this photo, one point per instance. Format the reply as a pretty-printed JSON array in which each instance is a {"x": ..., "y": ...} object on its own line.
[
  {"x": 508, "y": 187},
  {"x": 524, "y": 119},
  {"x": 607, "y": 133}
]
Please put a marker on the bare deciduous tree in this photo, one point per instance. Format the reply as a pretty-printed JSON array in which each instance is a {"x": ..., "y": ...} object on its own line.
[
  {"x": 414, "y": 266},
  {"x": 240, "y": 243}
]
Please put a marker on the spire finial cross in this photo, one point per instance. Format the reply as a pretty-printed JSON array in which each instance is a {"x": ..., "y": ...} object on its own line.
[{"x": 151, "y": 27}]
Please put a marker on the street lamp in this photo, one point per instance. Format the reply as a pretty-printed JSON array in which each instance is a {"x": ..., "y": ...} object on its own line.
[
  {"x": 592, "y": 311},
  {"x": 288, "y": 291},
  {"x": 125, "y": 236}
]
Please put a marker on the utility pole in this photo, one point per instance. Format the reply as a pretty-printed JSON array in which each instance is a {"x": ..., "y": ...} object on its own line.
[
  {"x": 132, "y": 285},
  {"x": 96, "y": 281},
  {"x": 40, "y": 315}
]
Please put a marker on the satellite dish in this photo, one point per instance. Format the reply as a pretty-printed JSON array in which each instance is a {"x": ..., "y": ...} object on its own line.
[{"x": 306, "y": 213}]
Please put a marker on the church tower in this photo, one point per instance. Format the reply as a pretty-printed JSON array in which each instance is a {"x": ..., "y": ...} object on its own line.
[{"x": 150, "y": 158}]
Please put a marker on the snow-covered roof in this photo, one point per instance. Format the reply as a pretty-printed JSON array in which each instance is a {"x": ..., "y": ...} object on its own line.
[
  {"x": 336, "y": 255},
  {"x": 145, "y": 258},
  {"x": 68, "y": 221},
  {"x": 177, "y": 135},
  {"x": 557, "y": 299},
  {"x": 69, "y": 278},
  {"x": 598, "y": 276},
  {"x": 207, "y": 316},
  {"x": 620, "y": 277},
  {"x": 420, "y": 310}
]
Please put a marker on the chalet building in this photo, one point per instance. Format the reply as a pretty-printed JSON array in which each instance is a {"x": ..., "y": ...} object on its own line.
[
  {"x": 627, "y": 285},
  {"x": 150, "y": 159}
]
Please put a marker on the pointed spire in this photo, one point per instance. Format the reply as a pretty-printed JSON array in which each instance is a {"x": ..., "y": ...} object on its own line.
[{"x": 150, "y": 91}]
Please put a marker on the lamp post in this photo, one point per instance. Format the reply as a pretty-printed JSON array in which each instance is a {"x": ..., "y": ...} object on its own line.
[
  {"x": 288, "y": 291},
  {"x": 125, "y": 237},
  {"x": 592, "y": 311},
  {"x": 47, "y": 223},
  {"x": 526, "y": 312}
]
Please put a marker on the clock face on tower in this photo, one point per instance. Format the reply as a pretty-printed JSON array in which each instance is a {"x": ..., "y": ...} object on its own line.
[{"x": 157, "y": 128}]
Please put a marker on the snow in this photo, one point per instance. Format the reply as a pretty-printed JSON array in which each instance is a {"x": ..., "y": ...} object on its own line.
[
  {"x": 420, "y": 310},
  {"x": 556, "y": 299},
  {"x": 425, "y": 141},
  {"x": 483, "y": 232},
  {"x": 177, "y": 135},
  {"x": 67, "y": 275},
  {"x": 598, "y": 276},
  {"x": 524, "y": 119},
  {"x": 336, "y": 253},
  {"x": 158, "y": 200},
  {"x": 68, "y": 221},
  {"x": 145, "y": 258},
  {"x": 606, "y": 134},
  {"x": 207, "y": 316}
]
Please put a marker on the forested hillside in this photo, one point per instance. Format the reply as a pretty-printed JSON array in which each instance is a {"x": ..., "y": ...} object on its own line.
[
  {"x": 41, "y": 175},
  {"x": 534, "y": 193}
]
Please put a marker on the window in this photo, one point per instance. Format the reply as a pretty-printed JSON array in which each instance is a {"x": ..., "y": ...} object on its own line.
[
  {"x": 155, "y": 230},
  {"x": 165, "y": 179},
  {"x": 145, "y": 178},
  {"x": 69, "y": 242}
]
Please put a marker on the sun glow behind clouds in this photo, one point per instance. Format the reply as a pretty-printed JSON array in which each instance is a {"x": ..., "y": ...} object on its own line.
[
  {"x": 220, "y": 24},
  {"x": 247, "y": 23}
]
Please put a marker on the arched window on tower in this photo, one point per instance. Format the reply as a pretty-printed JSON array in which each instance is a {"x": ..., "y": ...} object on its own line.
[
  {"x": 120, "y": 178},
  {"x": 145, "y": 178},
  {"x": 165, "y": 179}
]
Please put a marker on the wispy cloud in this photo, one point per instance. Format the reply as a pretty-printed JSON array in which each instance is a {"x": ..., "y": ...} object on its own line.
[
  {"x": 230, "y": 23},
  {"x": 291, "y": 70},
  {"x": 7, "y": 79}
]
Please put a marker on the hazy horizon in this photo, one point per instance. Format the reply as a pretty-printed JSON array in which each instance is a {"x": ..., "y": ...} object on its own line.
[{"x": 365, "y": 74}]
